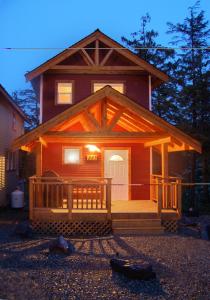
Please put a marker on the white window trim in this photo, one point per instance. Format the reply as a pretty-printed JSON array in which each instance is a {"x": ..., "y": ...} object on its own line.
[
  {"x": 56, "y": 92},
  {"x": 110, "y": 82},
  {"x": 72, "y": 148}
]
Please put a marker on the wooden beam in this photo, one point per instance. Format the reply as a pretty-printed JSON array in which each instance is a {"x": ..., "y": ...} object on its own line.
[
  {"x": 158, "y": 142},
  {"x": 42, "y": 141},
  {"x": 164, "y": 171},
  {"x": 100, "y": 134},
  {"x": 38, "y": 153},
  {"x": 106, "y": 57},
  {"x": 97, "y": 52},
  {"x": 87, "y": 57},
  {"x": 96, "y": 68},
  {"x": 115, "y": 119},
  {"x": 98, "y": 140},
  {"x": 92, "y": 120},
  {"x": 103, "y": 113},
  {"x": 164, "y": 160}
]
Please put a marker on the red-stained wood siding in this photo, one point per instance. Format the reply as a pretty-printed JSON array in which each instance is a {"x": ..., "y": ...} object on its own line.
[
  {"x": 139, "y": 167},
  {"x": 136, "y": 88}
]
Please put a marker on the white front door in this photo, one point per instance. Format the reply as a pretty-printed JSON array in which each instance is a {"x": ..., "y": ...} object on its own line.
[{"x": 116, "y": 167}]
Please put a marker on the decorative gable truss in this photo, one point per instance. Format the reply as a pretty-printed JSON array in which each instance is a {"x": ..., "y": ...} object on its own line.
[
  {"x": 97, "y": 53},
  {"x": 108, "y": 116}
]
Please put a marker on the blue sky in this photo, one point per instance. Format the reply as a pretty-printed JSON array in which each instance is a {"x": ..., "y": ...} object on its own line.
[{"x": 59, "y": 23}]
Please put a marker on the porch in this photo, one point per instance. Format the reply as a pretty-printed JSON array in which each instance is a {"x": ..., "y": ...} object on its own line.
[{"x": 90, "y": 199}]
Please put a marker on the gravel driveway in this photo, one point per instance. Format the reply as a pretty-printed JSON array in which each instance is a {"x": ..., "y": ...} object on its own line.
[{"x": 27, "y": 271}]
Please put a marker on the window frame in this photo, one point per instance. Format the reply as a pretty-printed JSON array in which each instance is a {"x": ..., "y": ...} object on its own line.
[
  {"x": 70, "y": 163},
  {"x": 108, "y": 82},
  {"x": 56, "y": 91}
]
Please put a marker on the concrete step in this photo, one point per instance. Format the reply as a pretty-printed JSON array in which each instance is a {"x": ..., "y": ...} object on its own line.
[
  {"x": 131, "y": 223},
  {"x": 138, "y": 230}
]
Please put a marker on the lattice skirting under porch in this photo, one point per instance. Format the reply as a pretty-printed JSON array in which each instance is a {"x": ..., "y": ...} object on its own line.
[
  {"x": 74, "y": 228},
  {"x": 170, "y": 225}
]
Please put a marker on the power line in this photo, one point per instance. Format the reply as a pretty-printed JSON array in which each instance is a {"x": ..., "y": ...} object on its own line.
[{"x": 91, "y": 48}]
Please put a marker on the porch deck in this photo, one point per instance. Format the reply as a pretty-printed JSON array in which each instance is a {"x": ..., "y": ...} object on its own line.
[{"x": 79, "y": 199}]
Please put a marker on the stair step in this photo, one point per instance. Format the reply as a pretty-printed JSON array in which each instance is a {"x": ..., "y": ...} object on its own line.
[
  {"x": 136, "y": 223},
  {"x": 139, "y": 230},
  {"x": 133, "y": 215}
]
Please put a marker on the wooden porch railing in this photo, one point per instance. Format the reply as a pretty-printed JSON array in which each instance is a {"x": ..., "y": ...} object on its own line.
[
  {"x": 70, "y": 193},
  {"x": 166, "y": 192}
]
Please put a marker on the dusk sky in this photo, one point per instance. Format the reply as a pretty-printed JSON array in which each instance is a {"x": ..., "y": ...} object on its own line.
[{"x": 60, "y": 23}]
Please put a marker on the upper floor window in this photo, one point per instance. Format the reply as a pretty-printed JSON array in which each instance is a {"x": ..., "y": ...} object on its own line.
[
  {"x": 119, "y": 86},
  {"x": 64, "y": 93}
]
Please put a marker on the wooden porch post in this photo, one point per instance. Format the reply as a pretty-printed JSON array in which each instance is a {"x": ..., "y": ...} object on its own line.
[
  {"x": 164, "y": 167},
  {"x": 39, "y": 190},
  {"x": 109, "y": 196},
  {"x": 31, "y": 197},
  {"x": 38, "y": 153}
]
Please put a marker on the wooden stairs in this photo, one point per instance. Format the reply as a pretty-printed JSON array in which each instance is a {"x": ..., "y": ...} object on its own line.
[{"x": 137, "y": 226}]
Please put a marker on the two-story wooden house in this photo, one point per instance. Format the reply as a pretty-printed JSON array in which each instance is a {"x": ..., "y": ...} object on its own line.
[
  {"x": 95, "y": 141},
  {"x": 11, "y": 126}
]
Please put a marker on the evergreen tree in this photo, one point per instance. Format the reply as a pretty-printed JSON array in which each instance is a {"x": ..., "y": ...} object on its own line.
[
  {"x": 193, "y": 99},
  {"x": 143, "y": 43},
  {"x": 27, "y": 101}
]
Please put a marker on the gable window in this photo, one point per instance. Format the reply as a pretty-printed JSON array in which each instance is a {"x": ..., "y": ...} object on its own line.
[
  {"x": 64, "y": 93},
  {"x": 72, "y": 155},
  {"x": 118, "y": 86}
]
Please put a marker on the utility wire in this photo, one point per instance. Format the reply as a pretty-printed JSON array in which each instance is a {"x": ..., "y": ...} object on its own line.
[{"x": 88, "y": 48}]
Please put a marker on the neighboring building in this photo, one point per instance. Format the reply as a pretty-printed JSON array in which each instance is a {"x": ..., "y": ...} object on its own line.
[
  {"x": 11, "y": 127},
  {"x": 96, "y": 124}
]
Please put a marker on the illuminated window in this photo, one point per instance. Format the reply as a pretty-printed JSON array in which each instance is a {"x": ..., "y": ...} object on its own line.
[
  {"x": 72, "y": 155},
  {"x": 2, "y": 172},
  {"x": 116, "y": 158},
  {"x": 64, "y": 93},
  {"x": 117, "y": 86}
]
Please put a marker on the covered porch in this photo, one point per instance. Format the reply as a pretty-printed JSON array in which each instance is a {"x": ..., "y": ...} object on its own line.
[{"x": 98, "y": 146}]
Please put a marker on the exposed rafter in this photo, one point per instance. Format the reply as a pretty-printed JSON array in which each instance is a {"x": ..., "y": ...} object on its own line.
[
  {"x": 106, "y": 57},
  {"x": 87, "y": 57}
]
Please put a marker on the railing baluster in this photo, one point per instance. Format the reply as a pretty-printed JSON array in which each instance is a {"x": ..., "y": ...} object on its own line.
[{"x": 69, "y": 199}]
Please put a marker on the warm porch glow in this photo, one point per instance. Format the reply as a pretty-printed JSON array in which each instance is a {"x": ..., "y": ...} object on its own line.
[
  {"x": 93, "y": 148},
  {"x": 2, "y": 172}
]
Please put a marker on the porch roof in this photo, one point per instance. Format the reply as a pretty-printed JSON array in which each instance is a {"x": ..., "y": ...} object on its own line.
[{"x": 135, "y": 122}]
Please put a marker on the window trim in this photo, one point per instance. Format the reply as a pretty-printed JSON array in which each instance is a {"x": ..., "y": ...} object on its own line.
[
  {"x": 56, "y": 91},
  {"x": 108, "y": 81},
  {"x": 63, "y": 155}
]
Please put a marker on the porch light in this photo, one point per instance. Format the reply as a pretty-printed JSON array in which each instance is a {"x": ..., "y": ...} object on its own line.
[{"x": 93, "y": 148}]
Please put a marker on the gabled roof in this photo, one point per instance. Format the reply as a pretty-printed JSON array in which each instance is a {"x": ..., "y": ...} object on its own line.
[
  {"x": 98, "y": 35},
  {"x": 122, "y": 101},
  {"x": 9, "y": 99}
]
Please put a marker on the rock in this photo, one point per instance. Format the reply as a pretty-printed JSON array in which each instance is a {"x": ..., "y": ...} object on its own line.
[
  {"x": 135, "y": 270},
  {"x": 24, "y": 230},
  {"x": 60, "y": 245}
]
